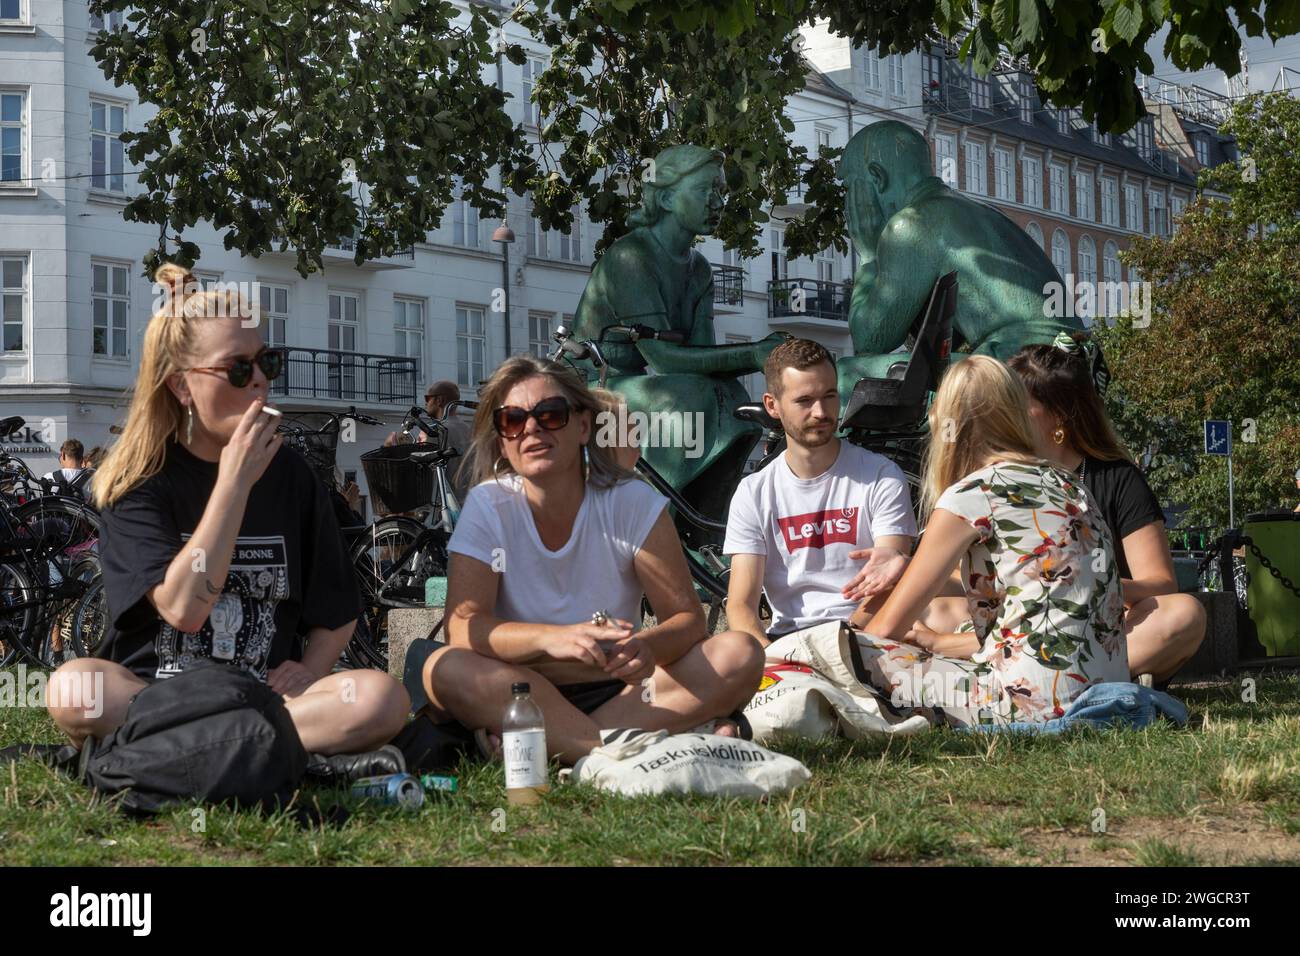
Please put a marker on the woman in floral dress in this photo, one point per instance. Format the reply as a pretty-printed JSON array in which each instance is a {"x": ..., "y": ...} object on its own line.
[{"x": 1037, "y": 565}]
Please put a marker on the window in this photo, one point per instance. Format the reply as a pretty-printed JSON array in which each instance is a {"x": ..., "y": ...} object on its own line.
[
  {"x": 945, "y": 159},
  {"x": 1108, "y": 304},
  {"x": 1143, "y": 131},
  {"x": 1202, "y": 151},
  {"x": 1101, "y": 139},
  {"x": 110, "y": 303},
  {"x": 1057, "y": 194},
  {"x": 1133, "y": 207},
  {"x": 13, "y": 296},
  {"x": 571, "y": 240},
  {"x": 1061, "y": 253},
  {"x": 471, "y": 346},
  {"x": 408, "y": 331},
  {"x": 1063, "y": 122},
  {"x": 539, "y": 333},
  {"x": 274, "y": 305},
  {"x": 1156, "y": 207},
  {"x": 11, "y": 11},
  {"x": 977, "y": 179},
  {"x": 932, "y": 67},
  {"x": 823, "y": 139},
  {"x": 13, "y": 133},
  {"x": 1083, "y": 206},
  {"x": 554, "y": 243},
  {"x": 464, "y": 219},
  {"x": 1026, "y": 100},
  {"x": 979, "y": 89},
  {"x": 344, "y": 324},
  {"x": 1031, "y": 175},
  {"x": 1004, "y": 181},
  {"x": 107, "y": 120},
  {"x": 1176, "y": 206},
  {"x": 1088, "y": 273},
  {"x": 533, "y": 67},
  {"x": 1109, "y": 202},
  {"x": 1034, "y": 233},
  {"x": 896, "y": 75},
  {"x": 871, "y": 69},
  {"x": 826, "y": 264},
  {"x": 780, "y": 265},
  {"x": 113, "y": 21}
]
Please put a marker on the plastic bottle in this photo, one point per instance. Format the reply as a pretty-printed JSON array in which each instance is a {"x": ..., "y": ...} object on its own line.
[{"x": 523, "y": 748}]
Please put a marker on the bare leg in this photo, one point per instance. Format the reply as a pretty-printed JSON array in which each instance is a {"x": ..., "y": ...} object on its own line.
[
  {"x": 1163, "y": 634},
  {"x": 350, "y": 712},
  {"x": 474, "y": 690},
  {"x": 713, "y": 679},
  {"x": 88, "y": 697}
]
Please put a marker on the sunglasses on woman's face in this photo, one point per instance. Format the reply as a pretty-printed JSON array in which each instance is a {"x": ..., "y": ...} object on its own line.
[
  {"x": 240, "y": 372},
  {"x": 551, "y": 413}
]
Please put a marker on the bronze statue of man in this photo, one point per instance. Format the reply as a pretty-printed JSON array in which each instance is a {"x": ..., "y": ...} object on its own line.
[
  {"x": 653, "y": 276},
  {"x": 909, "y": 228}
]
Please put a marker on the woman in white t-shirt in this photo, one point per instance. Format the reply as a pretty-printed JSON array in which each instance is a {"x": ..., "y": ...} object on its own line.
[
  {"x": 1037, "y": 563},
  {"x": 550, "y": 557}
]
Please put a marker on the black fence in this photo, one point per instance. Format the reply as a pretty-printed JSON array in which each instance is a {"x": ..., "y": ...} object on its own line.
[
  {"x": 728, "y": 284},
  {"x": 347, "y": 376},
  {"x": 808, "y": 297}
]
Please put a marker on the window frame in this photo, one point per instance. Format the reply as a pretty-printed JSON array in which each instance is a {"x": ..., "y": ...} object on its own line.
[
  {"x": 109, "y": 104},
  {"x": 468, "y": 380},
  {"x": 24, "y": 126},
  {"x": 1036, "y": 164},
  {"x": 24, "y": 301},
  {"x": 111, "y": 298}
]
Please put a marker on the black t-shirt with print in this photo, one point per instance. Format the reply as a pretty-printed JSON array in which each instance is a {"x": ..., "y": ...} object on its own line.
[
  {"x": 290, "y": 572},
  {"x": 1125, "y": 499}
]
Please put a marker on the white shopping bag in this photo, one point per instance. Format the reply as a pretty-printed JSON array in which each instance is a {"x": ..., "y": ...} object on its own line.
[
  {"x": 643, "y": 763},
  {"x": 811, "y": 688}
]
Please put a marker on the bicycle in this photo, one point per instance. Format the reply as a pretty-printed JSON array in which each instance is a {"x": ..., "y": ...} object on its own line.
[
  {"x": 43, "y": 577},
  {"x": 396, "y": 555}
]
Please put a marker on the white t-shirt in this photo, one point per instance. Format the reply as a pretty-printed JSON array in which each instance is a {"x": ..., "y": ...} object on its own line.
[
  {"x": 592, "y": 572},
  {"x": 806, "y": 527}
]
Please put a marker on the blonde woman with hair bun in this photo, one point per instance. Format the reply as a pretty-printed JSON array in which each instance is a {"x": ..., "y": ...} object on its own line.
[
  {"x": 1037, "y": 565},
  {"x": 219, "y": 544}
]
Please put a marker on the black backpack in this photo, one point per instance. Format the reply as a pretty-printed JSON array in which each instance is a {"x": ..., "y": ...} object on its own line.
[
  {"x": 77, "y": 487},
  {"x": 212, "y": 733}
]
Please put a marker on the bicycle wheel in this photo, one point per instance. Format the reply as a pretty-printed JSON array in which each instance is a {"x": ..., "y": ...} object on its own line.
[
  {"x": 374, "y": 557},
  {"x": 89, "y": 618},
  {"x": 17, "y": 623},
  {"x": 70, "y": 527}
]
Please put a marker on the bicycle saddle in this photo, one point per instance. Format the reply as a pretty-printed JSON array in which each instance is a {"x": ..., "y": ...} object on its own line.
[
  {"x": 758, "y": 415},
  {"x": 434, "y": 454}
]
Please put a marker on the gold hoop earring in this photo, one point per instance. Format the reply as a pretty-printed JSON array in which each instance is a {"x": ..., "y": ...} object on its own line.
[
  {"x": 1058, "y": 436},
  {"x": 496, "y": 467}
]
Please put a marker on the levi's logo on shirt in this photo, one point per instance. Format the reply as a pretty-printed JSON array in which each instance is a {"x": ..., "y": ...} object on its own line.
[{"x": 819, "y": 528}]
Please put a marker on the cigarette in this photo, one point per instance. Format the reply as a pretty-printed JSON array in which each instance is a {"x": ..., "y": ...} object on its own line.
[{"x": 272, "y": 411}]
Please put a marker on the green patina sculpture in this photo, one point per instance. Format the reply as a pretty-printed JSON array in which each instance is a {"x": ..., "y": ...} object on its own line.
[
  {"x": 652, "y": 276},
  {"x": 909, "y": 229}
]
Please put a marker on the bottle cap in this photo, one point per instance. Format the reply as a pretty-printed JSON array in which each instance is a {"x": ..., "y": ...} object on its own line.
[{"x": 520, "y": 688}]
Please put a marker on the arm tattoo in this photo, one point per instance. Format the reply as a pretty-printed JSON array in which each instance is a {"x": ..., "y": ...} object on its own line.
[{"x": 212, "y": 594}]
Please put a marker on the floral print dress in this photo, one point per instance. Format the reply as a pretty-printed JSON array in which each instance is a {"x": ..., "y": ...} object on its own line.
[{"x": 1043, "y": 588}]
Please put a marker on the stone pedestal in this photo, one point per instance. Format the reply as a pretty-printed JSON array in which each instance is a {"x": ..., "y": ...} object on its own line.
[{"x": 404, "y": 626}]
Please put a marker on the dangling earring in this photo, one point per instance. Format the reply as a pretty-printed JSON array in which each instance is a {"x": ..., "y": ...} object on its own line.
[
  {"x": 586, "y": 465},
  {"x": 496, "y": 467},
  {"x": 189, "y": 425},
  {"x": 1058, "y": 436}
]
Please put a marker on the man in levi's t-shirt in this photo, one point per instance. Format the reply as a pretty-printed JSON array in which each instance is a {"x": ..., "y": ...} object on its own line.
[{"x": 825, "y": 525}]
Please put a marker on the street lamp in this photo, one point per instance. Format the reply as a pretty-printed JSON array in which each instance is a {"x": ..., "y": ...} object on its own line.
[{"x": 505, "y": 235}]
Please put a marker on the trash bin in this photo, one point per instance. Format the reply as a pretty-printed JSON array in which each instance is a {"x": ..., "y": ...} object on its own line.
[{"x": 1273, "y": 609}]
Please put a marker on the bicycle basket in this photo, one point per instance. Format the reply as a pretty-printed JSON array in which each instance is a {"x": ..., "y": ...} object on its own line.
[
  {"x": 318, "y": 447},
  {"x": 396, "y": 483}
]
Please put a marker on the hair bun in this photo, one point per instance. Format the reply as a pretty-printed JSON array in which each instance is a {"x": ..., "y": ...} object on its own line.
[{"x": 175, "y": 277}]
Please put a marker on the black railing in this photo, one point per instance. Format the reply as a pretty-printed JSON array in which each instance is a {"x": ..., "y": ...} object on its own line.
[
  {"x": 347, "y": 376},
  {"x": 728, "y": 284},
  {"x": 814, "y": 298},
  {"x": 349, "y": 244}
]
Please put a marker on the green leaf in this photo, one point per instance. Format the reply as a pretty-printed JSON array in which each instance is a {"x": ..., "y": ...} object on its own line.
[{"x": 1127, "y": 19}]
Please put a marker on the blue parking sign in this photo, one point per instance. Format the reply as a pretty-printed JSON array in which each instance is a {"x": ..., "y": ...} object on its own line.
[{"x": 1218, "y": 438}]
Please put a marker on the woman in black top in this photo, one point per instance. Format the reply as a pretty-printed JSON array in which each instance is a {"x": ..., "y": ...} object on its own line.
[
  {"x": 1164, "y": 627},
  {"x": 218, "y": 543}
]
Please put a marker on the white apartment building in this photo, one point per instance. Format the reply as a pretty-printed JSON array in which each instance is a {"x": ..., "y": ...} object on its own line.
[{"x": 74, "y": 303}]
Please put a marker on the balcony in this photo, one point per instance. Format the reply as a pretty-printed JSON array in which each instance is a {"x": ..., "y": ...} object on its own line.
[
  {"x": 351, "y": 377},
  {"x": 808, "y": 303},
  {"x": 346, "y": 251},
  {"x": 728, "y": 286}
]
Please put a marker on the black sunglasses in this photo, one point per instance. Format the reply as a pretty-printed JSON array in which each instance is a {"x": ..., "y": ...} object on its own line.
[
  {"x": 240, "y": 372},
  {"x": 551, "y": 413}
]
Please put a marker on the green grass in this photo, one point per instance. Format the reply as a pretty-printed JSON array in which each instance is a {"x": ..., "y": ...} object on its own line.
[{"x": 1224, "y": 790}]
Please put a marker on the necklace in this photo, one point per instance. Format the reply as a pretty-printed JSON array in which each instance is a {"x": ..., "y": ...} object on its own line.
[{"x": 1083, "y": 468}]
